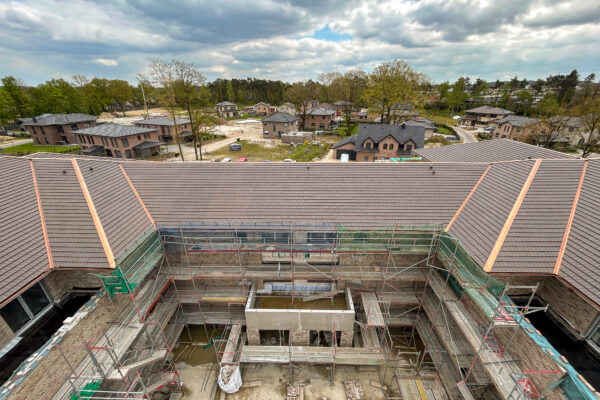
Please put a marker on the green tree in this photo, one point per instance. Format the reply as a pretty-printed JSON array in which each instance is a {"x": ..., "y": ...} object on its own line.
[
  {"x": 458, "y": 95},
  {"x": 588, "y": 134},
  {"x": 300, "y": 94},
  {"x": 8, "y": 113},
  {"x": 349, "y": 88},
  {"x": 20, "y": 99},
  {"x": 120, "y": 92}
]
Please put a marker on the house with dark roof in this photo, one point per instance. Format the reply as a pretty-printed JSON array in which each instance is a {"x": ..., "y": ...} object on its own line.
[
  {"x": 342, "y": 106},
  {"x": 279, "y": 123},
  {"x": 119, "y": 141},
  {"x": 514, "y": 127},
  {"x": 319, "y": 118},
  {"x": 167, "y": 128},
  {"x": 226, "y": 109},
  {"x": 56, "y": 129},
  {"x": 381, "y": 142},
  {"x": 288, "y": 108},
  {"x": 481, "y": 116}
]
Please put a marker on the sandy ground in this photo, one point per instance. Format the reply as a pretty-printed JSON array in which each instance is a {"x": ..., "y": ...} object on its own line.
[
  {"x": 247, "y": 131},
  {"x": 199, "y": 386}
]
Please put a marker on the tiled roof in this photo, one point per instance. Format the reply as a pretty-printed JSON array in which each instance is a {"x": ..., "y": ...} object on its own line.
[
  {"x": 488, "y": 151},
  {"x": 113, "y": 130},
  {"x": 519, "y": 211},
  {"x": 163, "y": 121},
  {"x": 147, "y": 145},
  {"x": 489, "y": 110},
  {"x": 517, "y": 120},
  {"x": 378, "y": 132},
  {"x": 321, "y": 111},
  {"x": 225, "y": 103},
  {"x": 57, "y": 119},
  {"x": 280, "y": 117}
]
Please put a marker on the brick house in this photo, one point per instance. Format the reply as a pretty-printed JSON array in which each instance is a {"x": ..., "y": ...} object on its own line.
[
  {"x": 263, "y": 109},
  {"x": 288, "y": 108},
  {"x": 55, "y": 129},
  {"x": 278, "y": 123},
  {"x": 381, "y": 142},
  {"x": 514, "y": 127},
  {"x": 225, "y": 109},
  {"x": 341, "y": 106},
  {"x": 319, "y": 118},
  {"x": 481, "y": 116},
  {"x": 166, "y": 127},
  {"x": 119, "y": 141}
]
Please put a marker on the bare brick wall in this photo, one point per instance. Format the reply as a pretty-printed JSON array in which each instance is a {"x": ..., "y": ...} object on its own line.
[
  {"x": 6, "y": 334},
  {"x": 113, "y": 144},
  {"x": 61, "y": 283},
  {"x": 570, "y": 309},
  {"x": 50, "y": 134}
]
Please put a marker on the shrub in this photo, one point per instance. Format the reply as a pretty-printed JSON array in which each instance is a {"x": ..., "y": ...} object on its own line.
[{"x": 438, "y": 139}]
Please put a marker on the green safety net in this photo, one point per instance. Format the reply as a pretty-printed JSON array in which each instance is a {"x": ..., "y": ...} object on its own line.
[
  {"x": 134, "y": 264},
  {"x": 399, "y": 240},
  {"x": 88, "y": 391},
  {"x": 482, "y": 288}
]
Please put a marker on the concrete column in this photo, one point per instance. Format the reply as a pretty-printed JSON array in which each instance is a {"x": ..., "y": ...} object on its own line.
[
  {"x": 253, "y": 337},
  {"x": 346, "y": 338},
  {"x": 300, "y": 337}
]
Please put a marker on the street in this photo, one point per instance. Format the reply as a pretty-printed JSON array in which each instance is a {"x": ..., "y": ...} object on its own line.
[{"x": 465, "y": 135}]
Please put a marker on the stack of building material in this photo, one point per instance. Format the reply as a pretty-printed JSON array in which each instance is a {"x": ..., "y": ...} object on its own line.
[{"x": 354, "y": 390}]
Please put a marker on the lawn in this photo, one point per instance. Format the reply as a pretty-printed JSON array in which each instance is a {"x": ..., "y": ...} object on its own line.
[
  {"x": 259, "y": 152},
  {"x": 440, "y": 117},
  {"x": 29, "y": 148}
]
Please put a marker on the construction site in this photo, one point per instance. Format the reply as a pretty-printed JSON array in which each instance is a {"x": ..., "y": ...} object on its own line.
[{"x": 289, "y": 307}]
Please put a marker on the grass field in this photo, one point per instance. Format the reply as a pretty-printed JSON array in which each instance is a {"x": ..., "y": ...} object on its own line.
[
  {"x": 440, "y": 118},
  {"x": 29, "y": 148},
  {"x": 259, "y": 152}
]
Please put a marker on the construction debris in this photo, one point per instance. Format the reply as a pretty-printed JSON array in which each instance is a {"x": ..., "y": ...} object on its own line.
[
  {"x": 295, "y": 392},
  {"x": 354, "y": 390}
]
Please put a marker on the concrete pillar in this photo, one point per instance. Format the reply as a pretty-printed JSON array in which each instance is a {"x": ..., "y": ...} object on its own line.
[
  {"x": 300, "y": 337},
  {"x": 346, "y": 338},
  {"x": 253, "y": 337}
]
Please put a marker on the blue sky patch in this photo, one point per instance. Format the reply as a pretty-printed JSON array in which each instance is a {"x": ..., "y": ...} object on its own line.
[{"x": 326, "y": 33}]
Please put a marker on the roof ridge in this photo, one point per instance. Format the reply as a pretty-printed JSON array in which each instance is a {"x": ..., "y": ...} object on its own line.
[{"x": 42, "y": 217}]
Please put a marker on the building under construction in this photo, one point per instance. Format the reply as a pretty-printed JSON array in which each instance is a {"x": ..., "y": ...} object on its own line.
[{"x": 419, "y": 281}]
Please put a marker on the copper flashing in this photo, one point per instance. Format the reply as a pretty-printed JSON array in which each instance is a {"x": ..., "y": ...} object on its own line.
[
  {"x": 42, "y": 218},
  {"x": 137, "y": 195},
  {"x": 467, "y": 198}
]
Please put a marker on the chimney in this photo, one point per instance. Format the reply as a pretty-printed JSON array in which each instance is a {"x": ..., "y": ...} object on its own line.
[{"x": 403, "y": 125}]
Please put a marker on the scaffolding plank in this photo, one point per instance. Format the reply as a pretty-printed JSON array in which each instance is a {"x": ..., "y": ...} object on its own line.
[
  {"x": 123, "y": 371},
  {"x": 232, "y": 341},
  {"x": 320, "y": 296},
  {"x": 372, "y": 310},
  {"x": 309, "y": 354}
]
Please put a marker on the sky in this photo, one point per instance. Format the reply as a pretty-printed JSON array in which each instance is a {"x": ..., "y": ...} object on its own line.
[{"x": 294, "y": 40}]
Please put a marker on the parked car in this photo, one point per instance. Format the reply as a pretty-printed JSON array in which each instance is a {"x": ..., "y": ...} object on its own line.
[
  {"x": 226, "y": 159},
  {"x": 266, "y": 160},
  {"x": 289, "y": 160},
  {"x": 242, "y": 159},
  {"x": 235, "y": 147}
]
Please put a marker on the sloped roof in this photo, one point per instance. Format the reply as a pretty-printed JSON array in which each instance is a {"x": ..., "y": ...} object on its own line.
[
  {"x": 517, "y": 120},
  {"x": 489, "y": 110},
  {"x": 378, "y": 132},
  {"x": 163, "y": 121},
  {"x": 57, "y": 119},
  {"x": 147, "y": 145},
  {"x": 488, "y": 151},
  {"x": 321, "y": 111},
  {"x": 280, "y": 116},
  {"x": 226, "y": 103},
  {"x": 535, "y": 217},
  {"x": 113, "y": 130}
]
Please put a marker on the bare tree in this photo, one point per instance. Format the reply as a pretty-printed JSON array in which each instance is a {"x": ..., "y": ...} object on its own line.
[
  {"x": 550, "y": 130},
  {"x": 349, "y": 88},
  {"x": 300, "y": 94}
]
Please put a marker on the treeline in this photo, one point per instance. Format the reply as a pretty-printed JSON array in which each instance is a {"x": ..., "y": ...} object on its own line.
[
  {"x": 541, "y": 97},
  {"x": 248, "y": 91}
]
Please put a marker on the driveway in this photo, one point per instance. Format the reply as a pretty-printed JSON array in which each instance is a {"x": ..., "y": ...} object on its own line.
[
  {"x": 15, "y": 142},
  {"x": 465, "y": 135}
]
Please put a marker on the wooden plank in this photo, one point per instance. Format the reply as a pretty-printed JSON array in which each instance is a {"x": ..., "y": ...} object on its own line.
[
  {"x": 118, "y": 373},
  {"x": 464, "y": 390},
  {"x": 232, "y": 341},
  {"x": 421, "y": 389},
  {"x": 372, "y": 310}
]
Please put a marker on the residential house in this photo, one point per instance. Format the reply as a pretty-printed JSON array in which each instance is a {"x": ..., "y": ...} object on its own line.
[
  {"x": 278, "y": 123},
  {"x": 167, "y": 128},
  {"x": 361, "y": 115},
  {"x": 328, "y": 107},
  {"x": 381, "y": 142},
  {"x": 312, "y": 104},
  {"x": 341, "y": 106},
  {"x": 514, "y": 127},
  {"x": 56, "y": 129},
  {"x": 319, "y": 118},
  {"x": 426, "y": 123},
  {"x": 119, "y": 141},
  {"x": 225, "y": 109},
  {"x": 400, "y": 112},
  {"x": 263, "y": 109},
  {"x": 288, "y": 108},
  {"x": 481, "y": 116}
]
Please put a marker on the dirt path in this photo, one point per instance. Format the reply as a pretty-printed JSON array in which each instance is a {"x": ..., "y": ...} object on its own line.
[
  {"x": 232, "y": 131},
  {"x": 12, "y": 143}
]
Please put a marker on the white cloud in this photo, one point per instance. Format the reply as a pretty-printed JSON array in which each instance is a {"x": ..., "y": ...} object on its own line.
[
  {"x": 107, "y": 62},
  {"x": 272, "y": 39}
]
